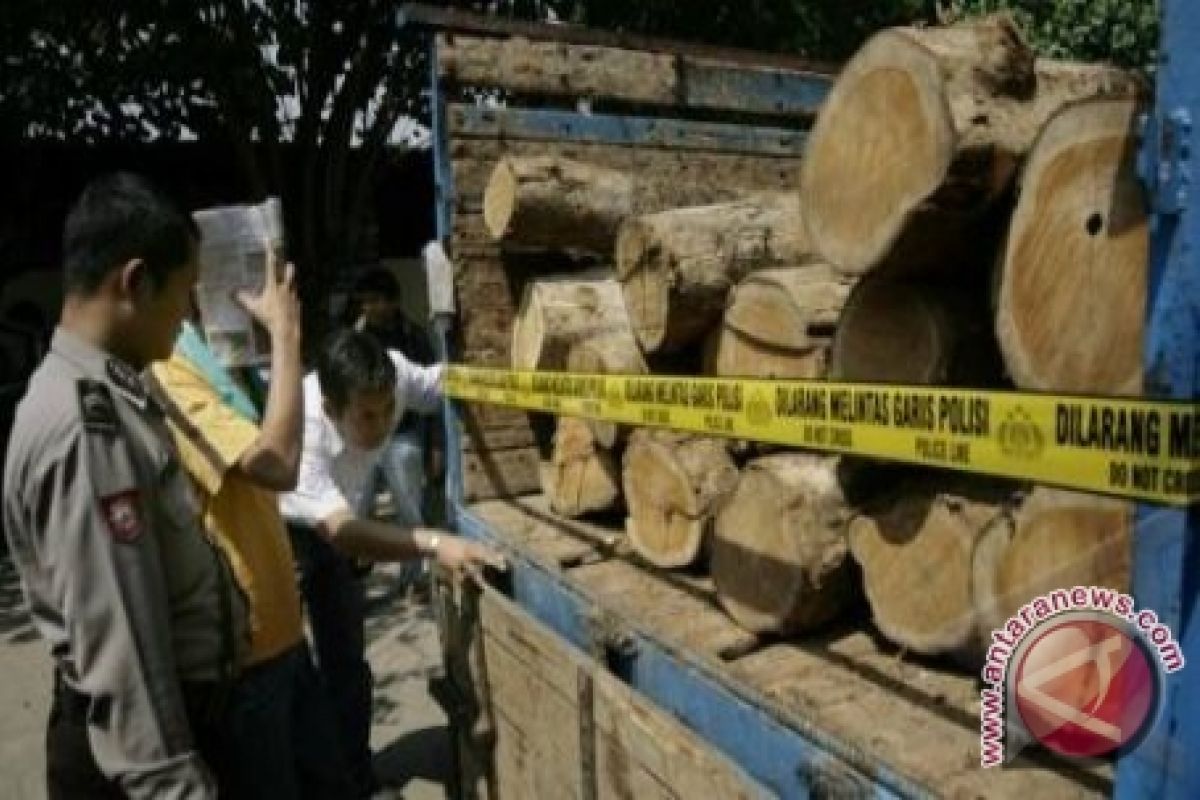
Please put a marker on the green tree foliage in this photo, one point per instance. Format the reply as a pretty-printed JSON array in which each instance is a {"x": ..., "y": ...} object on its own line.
[
  {"x": 331, "y": 77},
  {"x": 1123, "y": 32},
  {"x": 820, "y": 30}
]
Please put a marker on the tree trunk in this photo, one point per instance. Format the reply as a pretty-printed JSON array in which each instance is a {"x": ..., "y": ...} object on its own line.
[
  {"x": 896, "y": 331},
  {"x": 923, "y": 130},
  {"x": 916, "y": 558},
  {"x": 552, "y": 202},
  {"x": 1071, "y": 282},
  {"x": 779, "y": 323},
  {"x": 559, "y": 312},
  {"x": 613, "y": 352},
  {"x": 779, "y": 554},
  {"x": 676, "y": 267},
  {"x": 580, "y": 477},
  {"x": 1055, "y": 540},
  {"x": 673, "y": 483}
]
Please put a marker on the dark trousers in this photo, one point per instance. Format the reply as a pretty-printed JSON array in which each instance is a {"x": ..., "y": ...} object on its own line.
[
  {"x": 333, "y": 592},
  {"x": 272, "y": 737},
  {"x": 278, "y": 735}
]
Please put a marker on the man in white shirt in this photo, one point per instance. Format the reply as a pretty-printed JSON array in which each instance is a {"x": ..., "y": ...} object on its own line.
[{"x": 351, "y": 406}]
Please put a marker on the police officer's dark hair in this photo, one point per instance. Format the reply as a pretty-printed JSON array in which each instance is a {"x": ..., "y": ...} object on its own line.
[
  {"x": 120, "y": 217},
  {"x": 378, "y": 281},
  {"x": 353, "y": 361}
]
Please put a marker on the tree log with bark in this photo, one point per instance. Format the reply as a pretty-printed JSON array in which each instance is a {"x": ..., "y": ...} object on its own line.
[
  {"x": 673, "y": 483},
  {"x": 779, "y": 555}
]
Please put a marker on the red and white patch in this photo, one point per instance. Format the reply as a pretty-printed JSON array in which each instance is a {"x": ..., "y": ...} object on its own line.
[{"x": 123, "y": 514}]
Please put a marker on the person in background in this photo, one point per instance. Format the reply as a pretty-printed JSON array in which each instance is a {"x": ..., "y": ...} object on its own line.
[
  {"x": 143, "y": 620},
  {"x": 282, "y": 740},
  {"x": 351, "y": 406},
  {"x": 411, "y": 462}
]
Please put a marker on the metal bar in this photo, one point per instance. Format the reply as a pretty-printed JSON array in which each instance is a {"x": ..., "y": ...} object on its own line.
[
  {"x": 458, "y": 21},
  {"x": 556, "y": 125},
  {"x": 1166, "y": 572},
  {"x": 443, "y": 182}
]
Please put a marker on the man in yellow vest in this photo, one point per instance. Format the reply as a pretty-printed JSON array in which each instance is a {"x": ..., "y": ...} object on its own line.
[{"x": 283, "y": 741}]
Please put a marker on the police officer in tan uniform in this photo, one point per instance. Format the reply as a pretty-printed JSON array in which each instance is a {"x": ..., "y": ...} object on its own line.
[{"x": 140, "y": 610}]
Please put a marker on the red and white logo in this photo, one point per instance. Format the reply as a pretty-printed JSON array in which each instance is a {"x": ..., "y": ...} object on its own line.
[
  {"x": 1086, "y": 686},
  {"x": 1078, "y": 670}
]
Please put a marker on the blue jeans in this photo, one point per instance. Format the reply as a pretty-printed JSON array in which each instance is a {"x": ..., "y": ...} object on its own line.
[
  {"x": 278, "y": 732},
  {"x": 402, "y": 470},
  {"x": 333, "y": 592}
]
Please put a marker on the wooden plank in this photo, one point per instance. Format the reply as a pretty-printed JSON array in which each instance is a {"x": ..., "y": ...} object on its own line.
[
  {"x": 500, "y": 473},
  {"x": 818, "y": 682},
  {"x": 457, "y": 21},
  {"x": 533, "y": 680},
  {"x": 597, "y": 71},
  {"x": 513, "y": 761},
  {"x": 547, "y": 728},
  {"x": 670, "y": 612},
  {"x": 558, "y": 126},
  {"x": 497, "y": 438},
  {"x": 528, "y": 525},
  {"x": 761, "y": 90},
  {"x": 666, "y": 177},
  {"x": 643, "y": 752},
  {"x": 522, "y": 65}
]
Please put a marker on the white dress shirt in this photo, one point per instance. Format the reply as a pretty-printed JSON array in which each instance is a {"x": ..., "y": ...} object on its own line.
[{"x": 334, "y": 475}]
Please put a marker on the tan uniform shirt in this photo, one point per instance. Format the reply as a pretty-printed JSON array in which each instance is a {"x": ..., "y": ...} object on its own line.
[{"x": 119, "y": 576}]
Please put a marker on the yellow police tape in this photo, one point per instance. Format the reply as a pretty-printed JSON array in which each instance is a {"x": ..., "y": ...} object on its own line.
[{"x": 1148, "y": 450}]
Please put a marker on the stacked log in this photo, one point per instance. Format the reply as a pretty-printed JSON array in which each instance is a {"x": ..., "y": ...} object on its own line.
[
  {"x": 923, "y": 132},
  {"x": 676, "y": 267},
  {"x": 947, "y": 563},
  {"x": 1055, "y": 540},
  {"x": 613, "y": 352},
  {"x": 779, "y": 556},
  {"x": 779, "y": 323},
  {"x": 673, "y": 485},
  {"x": 582, "y": 476},
  {"x": 557, "y": 203},
  {"x": 1073, "y": 269},
  {"x": 900, "y": 331},
  {"x": 895, "y": 262},
  {"x": 916, "y": 551},
  {"x": 559, "y": 312}
]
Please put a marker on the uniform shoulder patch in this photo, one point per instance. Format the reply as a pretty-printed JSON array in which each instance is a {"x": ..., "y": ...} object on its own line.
[
  {"x": 123, "y": 515},
  {"x": 96, "y": 407}
]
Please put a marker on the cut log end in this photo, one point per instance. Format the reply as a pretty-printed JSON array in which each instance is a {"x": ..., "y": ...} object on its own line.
[
  {"x": 779, "y": 555},
  {"x": 678, "y": 266},
  {"x": 1058, "y": 540},
  {"x": 500, "y": 199},
  {"x": 916, "y": 559},
  {"x": 580, "y": 477},
  {"x": 887, "y": 118},
  {"x": 1071, "y": 281},
  {"x": 672, "y": 485},
  {"x": 558, "y": 312}
]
